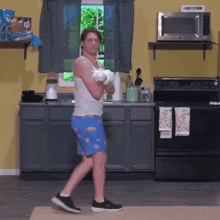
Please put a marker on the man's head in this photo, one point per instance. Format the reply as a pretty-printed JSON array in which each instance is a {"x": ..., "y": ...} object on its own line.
[
  {"x": 90, "y": 30},
  {"x": 90, "y": 41}
]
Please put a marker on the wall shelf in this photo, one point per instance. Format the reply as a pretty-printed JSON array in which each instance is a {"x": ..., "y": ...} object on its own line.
[
  {"x": 16, "y": 45},
  {"x": 179, "y": 45}
]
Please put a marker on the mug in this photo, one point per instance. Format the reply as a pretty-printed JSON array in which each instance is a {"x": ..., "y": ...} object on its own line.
[{"x": 132, "y": 93}]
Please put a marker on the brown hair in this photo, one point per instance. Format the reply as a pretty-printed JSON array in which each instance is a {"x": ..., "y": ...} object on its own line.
[{"x": 90, "y": 30}]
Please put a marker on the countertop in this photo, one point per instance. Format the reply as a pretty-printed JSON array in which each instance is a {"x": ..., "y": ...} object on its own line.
[
  {"x": 68, "y": 100},
  {"x": 72, "y": 103}
]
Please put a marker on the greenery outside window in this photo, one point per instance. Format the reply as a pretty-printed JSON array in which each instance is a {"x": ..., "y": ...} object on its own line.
[{"x": 92, "y": 16}]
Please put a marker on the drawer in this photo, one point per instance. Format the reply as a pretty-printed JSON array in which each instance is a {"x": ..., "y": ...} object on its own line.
[
  {"x": 113, "y": 114},
  {"x": 32, "y": 113},
  {"x": 140, "y": 113},
  {"x": 187, "y": 168},
  {"x": 61, "y": 113}
]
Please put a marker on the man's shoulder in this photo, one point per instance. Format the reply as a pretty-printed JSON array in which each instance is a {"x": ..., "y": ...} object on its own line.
[
  {"x": 82, "y": 61},
  {"x": 79, "y": 59},
  {"x": 82, "y": 66}
]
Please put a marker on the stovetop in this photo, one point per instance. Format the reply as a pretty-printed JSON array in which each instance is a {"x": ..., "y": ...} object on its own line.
[
  {"x": 186, "y": 83},
  {"x": 201, "y": 90}
]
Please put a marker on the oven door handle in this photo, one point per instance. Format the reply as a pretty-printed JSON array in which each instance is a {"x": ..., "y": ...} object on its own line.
[{"x": 217, "y": 107}]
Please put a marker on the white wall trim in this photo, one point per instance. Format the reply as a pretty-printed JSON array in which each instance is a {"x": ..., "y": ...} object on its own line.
[{"x": 9, "y": 172}]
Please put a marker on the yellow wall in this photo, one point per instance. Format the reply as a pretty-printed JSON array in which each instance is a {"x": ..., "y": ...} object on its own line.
[
  {"x": 17, "y": 74},
  {"x": 171, "y": 62}
]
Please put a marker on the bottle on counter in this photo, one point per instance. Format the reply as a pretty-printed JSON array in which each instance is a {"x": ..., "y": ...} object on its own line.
[{"x": 145, "y": 93}]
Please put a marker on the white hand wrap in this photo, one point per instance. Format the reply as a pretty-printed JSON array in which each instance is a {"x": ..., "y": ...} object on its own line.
[
  {"x": 109, "y": 75},
  {"x": 104, "y": 76},
  {"x": 98, "y": 75}
]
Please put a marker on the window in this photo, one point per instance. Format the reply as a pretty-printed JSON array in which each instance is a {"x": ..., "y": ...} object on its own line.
[{"x": 92, "y": 15}]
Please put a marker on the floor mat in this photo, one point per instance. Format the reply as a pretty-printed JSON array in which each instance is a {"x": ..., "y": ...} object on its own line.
[{"x": 132, "y": 213}]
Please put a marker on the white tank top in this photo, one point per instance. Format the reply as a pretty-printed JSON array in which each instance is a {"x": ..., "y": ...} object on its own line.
[{"x": 85, "y": 104}]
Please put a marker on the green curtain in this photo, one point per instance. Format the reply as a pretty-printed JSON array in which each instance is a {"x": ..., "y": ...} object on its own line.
[
  {"x": 60, "y": 33},
  {"x": 118, "y": 34}
]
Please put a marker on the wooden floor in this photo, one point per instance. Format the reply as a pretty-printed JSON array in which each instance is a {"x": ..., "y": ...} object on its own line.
[{"x": 18, "y": 198}]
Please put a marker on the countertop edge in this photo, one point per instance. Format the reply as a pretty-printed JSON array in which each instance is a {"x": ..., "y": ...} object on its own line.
[{"x": 105, "y": 104}]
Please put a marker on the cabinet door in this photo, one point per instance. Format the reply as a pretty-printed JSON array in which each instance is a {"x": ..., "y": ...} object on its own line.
[
  {"x": 141, "y": 151},
  {"x": 34, "y": 146},
  {"x": 116, "y": 145},
  {"x": 63, "y": 146}
]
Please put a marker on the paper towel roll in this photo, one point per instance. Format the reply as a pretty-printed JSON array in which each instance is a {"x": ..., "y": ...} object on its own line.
[{"x": 117, "y": 96}]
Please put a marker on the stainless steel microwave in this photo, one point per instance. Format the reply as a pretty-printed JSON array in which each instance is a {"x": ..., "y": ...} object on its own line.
[{"x": 184, "y": 26}]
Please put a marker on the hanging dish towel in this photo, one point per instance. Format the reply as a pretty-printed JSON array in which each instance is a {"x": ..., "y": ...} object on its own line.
[
  {"x": 165, "y": 122},
  {"x": 182, "y": 121}
]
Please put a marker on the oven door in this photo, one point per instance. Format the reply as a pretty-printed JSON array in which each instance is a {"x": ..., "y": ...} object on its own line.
[
  {"x": 204, "y": 133},
  {"x": 195, "y": 157}
]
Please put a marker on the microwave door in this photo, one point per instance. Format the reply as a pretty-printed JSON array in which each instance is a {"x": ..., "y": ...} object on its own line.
[
  {"x": 183, "y": 26},
  {"x": 165, "y": 33}
]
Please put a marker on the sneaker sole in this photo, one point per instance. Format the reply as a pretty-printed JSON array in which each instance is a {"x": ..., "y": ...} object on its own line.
[
  {"x": 63, "y": 206},
  {"x": 93, "y": 209}
]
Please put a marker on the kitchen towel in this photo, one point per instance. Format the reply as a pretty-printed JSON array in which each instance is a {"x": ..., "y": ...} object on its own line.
[
  {"x": 182, "y": 117},
  {"x": 165, "y": 122}
]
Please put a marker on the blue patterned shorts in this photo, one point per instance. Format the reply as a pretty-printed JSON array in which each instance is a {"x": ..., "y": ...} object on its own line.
[{"x": 90, "y": 132}]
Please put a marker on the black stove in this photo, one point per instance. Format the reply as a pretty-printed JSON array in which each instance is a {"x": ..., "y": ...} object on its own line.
[{"x": 195, "y": 156}]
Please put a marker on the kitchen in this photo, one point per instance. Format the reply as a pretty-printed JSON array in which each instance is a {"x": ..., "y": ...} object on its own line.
[
  {"x": 19, "y": 74},
  {"x": 26, "y": 77},
  {"x": 127, "y": 112}
]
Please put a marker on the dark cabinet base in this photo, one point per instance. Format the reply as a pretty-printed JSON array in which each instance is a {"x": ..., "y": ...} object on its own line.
[
  {"x": 48, "y": 144},
  {"x": 187, "y": 169}
]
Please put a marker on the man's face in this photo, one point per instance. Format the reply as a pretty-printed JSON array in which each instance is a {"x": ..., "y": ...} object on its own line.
[{"x": 91, "y": 44}]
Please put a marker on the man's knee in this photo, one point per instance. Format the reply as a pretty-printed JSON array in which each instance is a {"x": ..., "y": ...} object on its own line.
[
  {"x": 100, "y": 158},
  {"x": 88, "y": 160}
]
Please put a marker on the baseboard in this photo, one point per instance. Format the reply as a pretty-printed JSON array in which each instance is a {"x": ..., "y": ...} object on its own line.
[
  {"x": 66, "y": 175},
  {"x": 9, "y": 172}
]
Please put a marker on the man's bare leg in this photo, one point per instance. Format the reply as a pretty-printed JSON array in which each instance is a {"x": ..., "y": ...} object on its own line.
[
  {"x": 99, "y": 164},
  {"x": 79, "y": 172}
]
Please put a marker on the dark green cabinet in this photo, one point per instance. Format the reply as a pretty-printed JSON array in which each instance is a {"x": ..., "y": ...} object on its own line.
[
  {"x": 141, "y": 152},
  {"x": 115, "y": 132},
  {"x": 129, "y": 134},
  {"x": 116, "y": 145},
  {"x": 63, "y": 146},
  {"x": 141, "y": 146},
  {"x": 34, "y": 143},
  {"x": 49, "y": 144}
]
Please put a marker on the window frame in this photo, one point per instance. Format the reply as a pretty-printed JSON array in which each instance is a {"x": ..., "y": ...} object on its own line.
[{"x": 92, "y": 2}]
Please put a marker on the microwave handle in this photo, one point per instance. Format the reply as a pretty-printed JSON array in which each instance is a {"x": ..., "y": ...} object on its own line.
[
  {"x": 160, "y": 26},
  {"x": 197, "y": 19}
]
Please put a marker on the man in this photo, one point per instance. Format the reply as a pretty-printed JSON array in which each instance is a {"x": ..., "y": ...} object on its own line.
[{"x": 91, "y": 81}]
